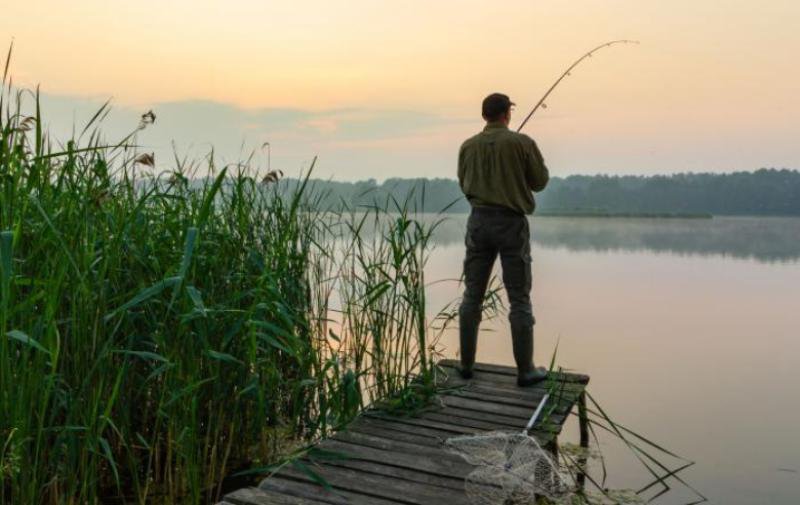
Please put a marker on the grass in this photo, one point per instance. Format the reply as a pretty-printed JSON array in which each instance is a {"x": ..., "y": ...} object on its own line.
[{"x": 161, "y": 330}]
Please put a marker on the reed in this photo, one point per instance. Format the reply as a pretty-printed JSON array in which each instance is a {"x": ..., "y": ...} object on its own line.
[{"x": 161, "y": 330}]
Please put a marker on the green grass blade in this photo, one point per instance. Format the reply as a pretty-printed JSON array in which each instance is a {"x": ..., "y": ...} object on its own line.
[{"x": 23, "y": 337}]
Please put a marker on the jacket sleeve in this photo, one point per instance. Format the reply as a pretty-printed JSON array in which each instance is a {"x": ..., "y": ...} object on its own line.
[{"x": 537, "y": 174}]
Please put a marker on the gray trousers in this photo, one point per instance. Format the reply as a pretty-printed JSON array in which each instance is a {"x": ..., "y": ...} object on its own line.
[{"x": 493, "y": 231}]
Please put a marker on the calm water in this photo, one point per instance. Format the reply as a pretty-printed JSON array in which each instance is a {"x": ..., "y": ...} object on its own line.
[{"x": 690, "y": 330}]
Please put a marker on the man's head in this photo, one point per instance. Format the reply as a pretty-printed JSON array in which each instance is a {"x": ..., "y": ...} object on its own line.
[{"x": 497, "y": 107}]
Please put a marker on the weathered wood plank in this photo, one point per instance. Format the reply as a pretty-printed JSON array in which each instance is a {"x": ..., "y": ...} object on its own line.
[
  {"x": 442, "y": 466},
  {"x": 452, "y": 378},
  {"x": 380, "y": 486},
  {"x": 453, "y": 384},
  {"x": 506, "y": 370},
  {"x": 255, "y": 496},
  {"x": 489, "y": 420},
  {"x": 455, "y": 422},
  {"x": 383, "y": 432},
  {"x": 382, "y": 468},
  {"x": 491, "y": 407},
  {"x": 509, "y": 406},
  {"x": 448, "y": 425},
  {"x": 307, "y": 489},
  {"x": 433, "y": 434},
  {"x": 565, "y": 403},
  {"x": 393, "y": 445}
]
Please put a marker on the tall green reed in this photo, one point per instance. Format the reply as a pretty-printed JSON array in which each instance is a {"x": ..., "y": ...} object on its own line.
[{"x": 160, "y": 329}]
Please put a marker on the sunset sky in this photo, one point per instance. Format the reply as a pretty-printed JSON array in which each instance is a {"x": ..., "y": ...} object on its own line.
[{"x": 383, "y": 89}]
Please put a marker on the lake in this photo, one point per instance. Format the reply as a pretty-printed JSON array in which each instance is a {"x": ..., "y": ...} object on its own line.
[{"x": 689, "y": 329}]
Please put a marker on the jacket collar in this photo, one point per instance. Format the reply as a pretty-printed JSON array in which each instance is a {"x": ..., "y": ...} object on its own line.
[{"x": 495, "y": 125}]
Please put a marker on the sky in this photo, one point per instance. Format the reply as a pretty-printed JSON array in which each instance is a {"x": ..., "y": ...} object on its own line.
[{"x": 381, "y": 89}]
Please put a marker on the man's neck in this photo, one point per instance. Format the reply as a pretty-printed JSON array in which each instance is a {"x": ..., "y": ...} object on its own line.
[{"x": 496, "y": 124}]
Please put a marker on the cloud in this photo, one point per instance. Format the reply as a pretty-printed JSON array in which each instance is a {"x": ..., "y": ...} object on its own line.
[{"x": 194, "y": 127}]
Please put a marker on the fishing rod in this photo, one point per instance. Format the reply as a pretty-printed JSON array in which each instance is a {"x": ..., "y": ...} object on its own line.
[{"x": 566, "y": 73}]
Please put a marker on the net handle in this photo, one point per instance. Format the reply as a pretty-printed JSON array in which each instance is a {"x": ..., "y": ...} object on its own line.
[{"x": 536, "y": 413}]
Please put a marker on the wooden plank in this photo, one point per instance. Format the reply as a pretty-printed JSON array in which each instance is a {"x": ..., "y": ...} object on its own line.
[
  {"x": 255, "y": 496},
  {"x": 433, "y": 434},
  {"x": 395, "y": 446},
  {"x": 565, "y": 403},
  {"x": 484, "y": 403},
  {"x": 452, "y": 378},
  {"x": 308, "y": 490},
  {"x": 447, "y": 425},
  {"x": 380, "y": 486},
  {"x": 490, "y": 407},
  {"x": 454, "y": 483},
  {"x": 511, "y": 371},
  {"x": 496, "y": 380},
  {"x": 457, "y": 425},
  {"x": 403, "y": 436},
  {"x": 494, "y": 421},
  {"x": 453, "y": 384},
  {"x": 442, "y": 466},
  {"x": 478, "y": 426},
  {"x": 478, "y": 420}
]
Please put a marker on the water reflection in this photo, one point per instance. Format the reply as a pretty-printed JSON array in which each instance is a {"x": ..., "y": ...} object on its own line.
[
  {"x": 766, "y": 240},
  {"x": 685, "y": 342}
]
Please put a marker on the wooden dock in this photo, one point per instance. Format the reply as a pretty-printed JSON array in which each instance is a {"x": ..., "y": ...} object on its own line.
[{"x": 402, "y": 460}]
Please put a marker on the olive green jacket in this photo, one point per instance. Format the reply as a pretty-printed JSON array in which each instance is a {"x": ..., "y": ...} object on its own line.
[{"x": 499, "y": 167}]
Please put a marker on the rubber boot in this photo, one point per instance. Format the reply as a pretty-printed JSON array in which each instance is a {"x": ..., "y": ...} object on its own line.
[
  {"x": 522, "y": 340},
  {"x": 468, "y": 334}
]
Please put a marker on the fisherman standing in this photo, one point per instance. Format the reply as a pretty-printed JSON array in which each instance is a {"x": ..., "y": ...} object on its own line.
[{"x": 497, "y": 170}]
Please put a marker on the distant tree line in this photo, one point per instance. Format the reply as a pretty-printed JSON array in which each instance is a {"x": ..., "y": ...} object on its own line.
[{"x": 763, "y": 192}]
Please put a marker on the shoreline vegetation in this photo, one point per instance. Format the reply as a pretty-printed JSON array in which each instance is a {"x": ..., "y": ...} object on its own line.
[
  {"x": 764, "y": 192},
  {"x": 161, "y": 334}
]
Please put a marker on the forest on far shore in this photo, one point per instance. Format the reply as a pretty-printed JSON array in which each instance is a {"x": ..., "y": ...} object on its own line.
[{"x": 764, "y": 192}]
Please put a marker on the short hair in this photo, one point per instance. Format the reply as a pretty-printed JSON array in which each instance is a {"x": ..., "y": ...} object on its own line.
[{"x": 495, "y": 106}]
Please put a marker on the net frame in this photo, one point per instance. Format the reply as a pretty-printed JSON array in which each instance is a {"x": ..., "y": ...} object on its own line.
[{"x": 511, "y": 467}]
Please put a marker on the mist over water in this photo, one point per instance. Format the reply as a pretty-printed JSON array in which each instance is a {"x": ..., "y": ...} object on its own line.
[
  {"x": 688, "y": 328},
  {"x": 770, "y": 239}
]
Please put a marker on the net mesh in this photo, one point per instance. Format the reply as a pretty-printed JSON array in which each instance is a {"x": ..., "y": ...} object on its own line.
[{"x": 510, "y": 468}]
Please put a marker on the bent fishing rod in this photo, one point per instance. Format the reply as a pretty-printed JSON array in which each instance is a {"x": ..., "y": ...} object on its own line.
[{"x": 567, "y": 72}]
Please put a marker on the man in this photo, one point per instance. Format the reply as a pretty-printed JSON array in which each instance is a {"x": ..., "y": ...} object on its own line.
[{"x": 497, "y": 171}]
